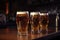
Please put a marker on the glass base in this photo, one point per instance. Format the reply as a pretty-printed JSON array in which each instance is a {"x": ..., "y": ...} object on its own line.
[
  {"x": 35, "y": 32},
  {"x": 22, "y": 34}
]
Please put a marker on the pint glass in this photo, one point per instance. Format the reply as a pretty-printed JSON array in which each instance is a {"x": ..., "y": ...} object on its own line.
[
  {"x": 34, "y": 22},
  {"x": 22, "y": 20},
  {"x": 44, "y": 22}
]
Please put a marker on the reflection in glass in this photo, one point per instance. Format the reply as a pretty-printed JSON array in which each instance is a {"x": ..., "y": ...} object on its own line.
[{"x": 22, "y": 20}]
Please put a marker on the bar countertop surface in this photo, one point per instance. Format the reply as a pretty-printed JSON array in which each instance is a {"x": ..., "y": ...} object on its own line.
[{"x": 11, "y": 34}]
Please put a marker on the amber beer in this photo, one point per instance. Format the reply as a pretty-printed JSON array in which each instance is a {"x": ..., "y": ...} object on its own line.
[
  {"x": 22, "y": 20},
  {"x": 44, "y": 22},
  {"x": 34, "y": 22}
]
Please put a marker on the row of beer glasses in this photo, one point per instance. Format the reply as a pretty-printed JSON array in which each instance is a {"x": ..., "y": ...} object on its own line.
[{"x": 38, "y": 21}]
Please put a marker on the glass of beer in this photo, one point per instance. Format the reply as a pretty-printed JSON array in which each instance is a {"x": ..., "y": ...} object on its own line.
[
  {"x": 34, "y": 20},
  {"x": 22, "y": 20},
  {"x": 44, "y": 22}
]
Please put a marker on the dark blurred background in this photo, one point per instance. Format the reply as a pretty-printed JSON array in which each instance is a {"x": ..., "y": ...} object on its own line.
[{"x": 8, "y": 9}]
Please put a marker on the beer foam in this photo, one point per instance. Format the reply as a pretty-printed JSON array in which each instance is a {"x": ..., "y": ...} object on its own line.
[
  {"x": 22, "y": 12},
  {"x": 34, "y": 13},
  {"x": 43, "y": 13}
]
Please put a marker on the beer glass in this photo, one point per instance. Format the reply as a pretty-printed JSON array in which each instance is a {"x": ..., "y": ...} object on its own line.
[
  {"x": 22, "y": 20},
  {"x": 44, "y": 22},
  {"x": 34, "y": 20}
]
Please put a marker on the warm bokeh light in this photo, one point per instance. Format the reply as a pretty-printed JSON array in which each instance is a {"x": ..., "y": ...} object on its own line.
[{"x": 7, "y": 11}]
